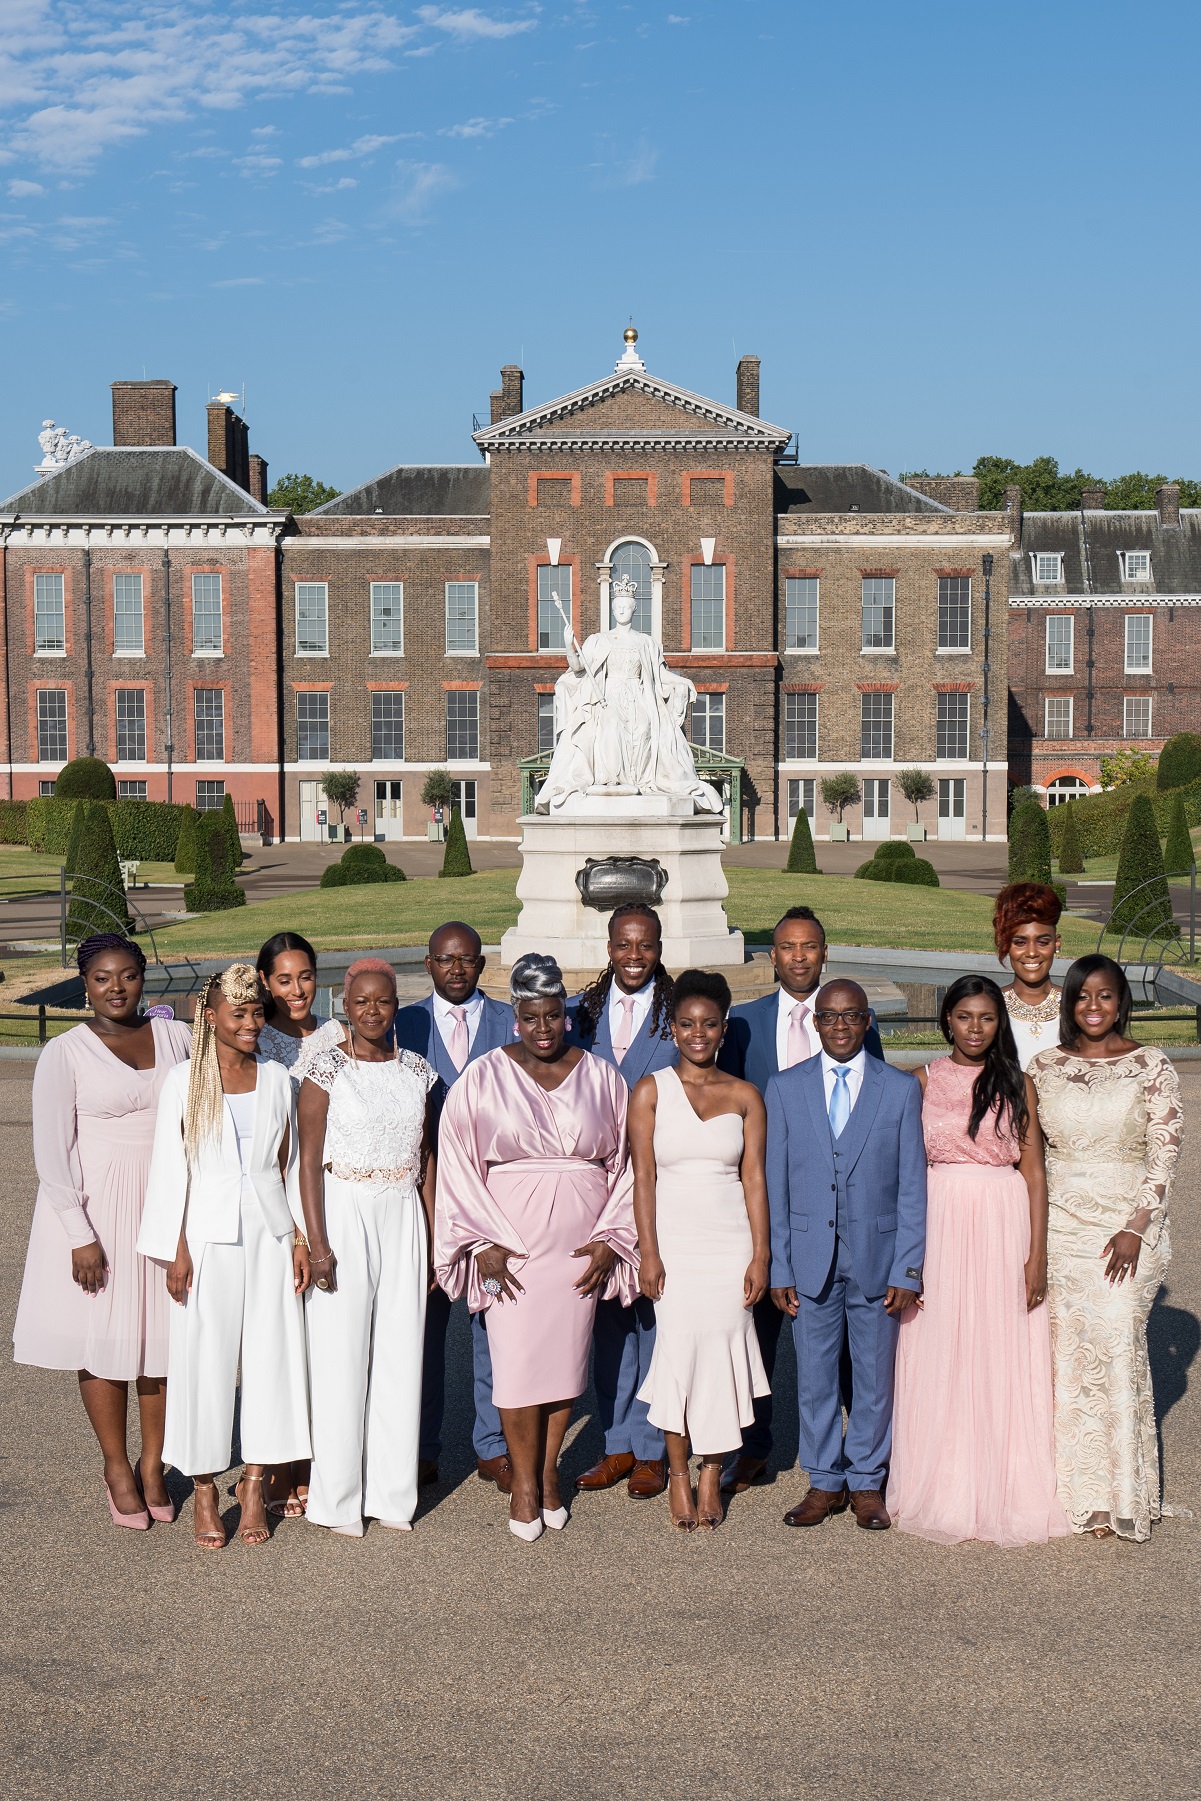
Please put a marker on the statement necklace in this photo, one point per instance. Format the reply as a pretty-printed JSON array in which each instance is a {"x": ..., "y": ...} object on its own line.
[{"x": 1042, "y": 1014}]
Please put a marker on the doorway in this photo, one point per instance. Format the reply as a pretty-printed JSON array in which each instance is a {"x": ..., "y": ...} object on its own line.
[
  {"x": 877, "y": 820},
  {"x": 464, "y": 800},
  {"x": 389, "y": 811},
  {"x": 310, "y": 800},
  {"x": 952, "y": 806}
]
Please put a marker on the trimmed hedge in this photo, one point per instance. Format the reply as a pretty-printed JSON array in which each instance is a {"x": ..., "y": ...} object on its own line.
[
  {"x": 237, "y": 855},
  {"x": 802, "y": 859},
  {"x": 75, "y": 841},
  {"x": 1071, "y": 857},
  {"x": 14, "y": 822},
  {"x": 143, "y": 830},
  {"x": 1140, "y": 890},
  {"x": 1101, "y": 818},
  {"x": 361, "y": 863},
  {"x": 97, "y": 897},
  {"x": 188, "y": 842},
  {"x": 1179, "y": 762},
  {"x": 1178, "y": 853},
  {"x": 897, "y": 861},
  {"x": 86, "y": 778},
  {"x": 214, "y": 889},
  {"x": 456, "y": 859},
  {"x": 1029, "y": 843},
  {"x": 896, "y": 850}
]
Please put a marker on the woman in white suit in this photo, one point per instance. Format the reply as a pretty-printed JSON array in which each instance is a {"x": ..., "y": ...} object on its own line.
[{"x": 217, "y": 1215}]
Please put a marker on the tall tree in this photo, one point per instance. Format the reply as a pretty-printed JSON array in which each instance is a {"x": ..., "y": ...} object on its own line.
[{"x": 301, "y": 493}]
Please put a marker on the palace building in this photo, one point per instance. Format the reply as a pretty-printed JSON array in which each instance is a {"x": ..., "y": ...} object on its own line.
[{"x": 158, "y": 613}]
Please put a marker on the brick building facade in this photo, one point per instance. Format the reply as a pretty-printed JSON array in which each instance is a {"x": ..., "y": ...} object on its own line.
[{"x": 830, "y": 617}]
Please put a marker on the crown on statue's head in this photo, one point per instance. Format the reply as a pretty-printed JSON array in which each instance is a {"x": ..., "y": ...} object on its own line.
[{"x": 625, "y": 586}]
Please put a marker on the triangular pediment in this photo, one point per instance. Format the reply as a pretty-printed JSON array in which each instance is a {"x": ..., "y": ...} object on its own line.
[{"x": 630, "y": 408}]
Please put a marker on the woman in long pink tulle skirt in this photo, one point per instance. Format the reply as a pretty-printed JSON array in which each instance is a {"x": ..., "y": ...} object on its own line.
[{"x": 973, "y": 1442}]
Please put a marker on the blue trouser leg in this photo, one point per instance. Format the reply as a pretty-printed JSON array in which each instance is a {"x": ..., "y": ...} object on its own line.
[
  {"x": 757, "y": 1440},
  {"x": 433, "y": 1376},
  {"x": 623, "y": 1342},
  {"x": 487, "y": 1435},
  {"x": 872, "y": 1335},
  {"x": 818, "y": 1335}
]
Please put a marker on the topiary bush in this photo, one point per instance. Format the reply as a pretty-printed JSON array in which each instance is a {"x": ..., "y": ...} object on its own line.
[
  {"x": 48, "y": 824},
  {"x": 86, "y": 778},
  {"x": 1071, "y": 857},
  {"x": 1101, "y": 818},
  {"x": 896, "y": 861},
  {"x": 214, "y": 889},
  {"x": 359, "y": 864},
  {"x": 920, "y": 872},
  {"x": 14, "y": 822},
  {"x": 75, "y": 841},
  {"x": 456, "y": 859},
  {"x": 188, "y": 842},
  {"x": 1178, "y": 853},
  {"x": 1179, "y": 762},
  {"x": 97, "y": 896},
  {"x": 229, "y": 819},
  {"x": 1029, "y": 844},
  {"x": 146, "y": 830},
  {"x": 802, "y": 859},
  {"x": 1140, "y": 890},
  {"x": 874, "y": 871},
  {"x": 895, "y": 850}
]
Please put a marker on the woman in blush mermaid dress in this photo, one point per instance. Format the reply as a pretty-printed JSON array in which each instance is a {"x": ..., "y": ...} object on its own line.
[{"x": 973, "y": 1434}]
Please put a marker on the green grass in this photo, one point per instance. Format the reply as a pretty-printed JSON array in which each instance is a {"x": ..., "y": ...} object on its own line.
[
  {"x": 23, "y": 870},
  {"x": 1105, "y": 869},
  {"x": 1145, "y": 1028}
]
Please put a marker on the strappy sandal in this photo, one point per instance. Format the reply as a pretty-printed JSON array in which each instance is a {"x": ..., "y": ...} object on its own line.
[
  {"x": 254, "y": 1535},
  {"x": 292, "y": 1507},
  {"x": 684, "y": 1524},
  {"x": 709, "y": 1522},
  {"x": 213, "y": 1540}
]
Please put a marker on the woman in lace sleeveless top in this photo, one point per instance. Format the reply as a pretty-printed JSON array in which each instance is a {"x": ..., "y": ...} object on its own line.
[
  {"x": 698, "y": 1138},
  {"x": 973, "y": 1451},
  {"x": 1026, "y": 931},
  {"x": 1111, "y": 1114},
  {"x": 367, "y": 1187}
]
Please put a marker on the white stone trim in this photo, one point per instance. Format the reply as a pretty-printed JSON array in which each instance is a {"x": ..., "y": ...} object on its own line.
[
  {"x": 240, "y": 533},
  {"x": 518, "y": 431},
  {"x": 1135, "y": 603},
  {"x": 865, "y": 540},
  {"x": 415, "y": 541}
]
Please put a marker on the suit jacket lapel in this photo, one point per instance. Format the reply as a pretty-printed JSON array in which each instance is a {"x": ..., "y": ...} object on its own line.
[
  {"x": 863, "y": 1114},
  {"x": 632, "y": 1068},
  {"x": 437, "y": 1054},
  {"x": 765, "y": 1023},
  {"x": 813, "y": 1087},
  {"x": 602, "y": 1042}
]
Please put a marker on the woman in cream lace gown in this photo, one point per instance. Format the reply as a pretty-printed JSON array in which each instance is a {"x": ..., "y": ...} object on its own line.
[{"x": 1110, "y": 1112}]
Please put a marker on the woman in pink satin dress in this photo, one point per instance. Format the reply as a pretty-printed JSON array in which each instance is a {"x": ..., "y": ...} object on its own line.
[
  {"x": 973, "y": 1450},
  {"x": 532, "y": 1180}
]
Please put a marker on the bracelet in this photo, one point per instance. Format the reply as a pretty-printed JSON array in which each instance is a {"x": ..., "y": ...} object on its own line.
[
  {"x": 325, "y": 1257},
  {"x": 300, "y": 1242}
]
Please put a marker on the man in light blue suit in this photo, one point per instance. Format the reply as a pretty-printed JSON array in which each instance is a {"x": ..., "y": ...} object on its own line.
[
  {"x": 763, "y": 1037},
  {"x": 846, "y": 1183},
  {"x": 450, "y": 1029},
  {"x": 623, "y": 1018}
]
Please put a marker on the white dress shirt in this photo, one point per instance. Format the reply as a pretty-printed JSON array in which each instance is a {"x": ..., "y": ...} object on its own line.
[
  {"x": 784, "y": 1022},
  {"x": 854, "y": 1079},
  {"x": 445, "y": 1019},
  {"x": 641, "y": 998}
]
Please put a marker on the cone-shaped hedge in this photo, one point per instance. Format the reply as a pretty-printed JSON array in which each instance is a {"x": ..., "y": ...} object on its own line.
[
  {"x": 801, "y": 857},
  {"x": 1141, "y": 902},
  {"x": 214, "y": 889},
  {"x": 186, "y": 848},
  {"x": 1178, "y": 853},
  {"x": 230, "y": 820},
  {"x": 1029, "y": 843},
  {"x": 1071, "y": 857},
  {"x": 456, "y": 859},
  {"x": 75, "y": 840},
  {"x": 97, "y": 897}
]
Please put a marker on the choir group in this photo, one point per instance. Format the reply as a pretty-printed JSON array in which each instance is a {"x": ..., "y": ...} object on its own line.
[{"x": 643, "y": 1183}]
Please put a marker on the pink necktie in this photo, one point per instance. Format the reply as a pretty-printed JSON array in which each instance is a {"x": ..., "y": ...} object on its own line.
[
  {"x": 798, "y": 1038},
  {"x": 625, "y": 1028},
  {"x": 460, "y": 1044}
]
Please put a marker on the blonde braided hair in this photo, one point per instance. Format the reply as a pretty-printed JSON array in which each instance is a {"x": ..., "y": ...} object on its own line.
[{"x": 239, "y": 984}]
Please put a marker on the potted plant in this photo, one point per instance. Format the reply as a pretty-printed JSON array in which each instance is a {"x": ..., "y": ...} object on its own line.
[
  {"x": 839, "y": 791},
  {"x": 341, "y": 788},
  {"x": 917, "y": 787},
  {"x": 438, "y": 793}
]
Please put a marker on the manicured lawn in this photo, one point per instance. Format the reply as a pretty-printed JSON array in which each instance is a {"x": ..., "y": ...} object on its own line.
[
  {"x": 23, "y": 870},
  {"x": 1105, "y": 869},
  {"x": 357, "y": 918}
]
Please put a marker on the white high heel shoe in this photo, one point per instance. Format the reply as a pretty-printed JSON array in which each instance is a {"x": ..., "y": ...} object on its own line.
[
  {"x": 555, "y": 1517},
  {"x": 529, "y": 1530}
]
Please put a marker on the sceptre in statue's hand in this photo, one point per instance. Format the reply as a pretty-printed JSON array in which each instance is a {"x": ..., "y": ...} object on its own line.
[{"x": 571, "y": 643}]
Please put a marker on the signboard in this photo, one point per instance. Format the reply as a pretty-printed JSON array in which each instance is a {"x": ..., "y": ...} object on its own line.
[
  {"x": 322, "y": 818},
  {"x": 362, "y": 815}
]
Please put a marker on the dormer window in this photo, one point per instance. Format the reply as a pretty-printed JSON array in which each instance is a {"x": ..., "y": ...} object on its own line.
[
  {"x": 1136, "y": 565},
  {"x": 1047, "y": 565}
]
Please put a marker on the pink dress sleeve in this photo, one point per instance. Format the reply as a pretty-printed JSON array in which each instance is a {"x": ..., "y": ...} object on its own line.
[
  {"x": 466, "y": 1218},
  {"x": 55, "y": 1138},
  {"x": 615, "y": 1227}
]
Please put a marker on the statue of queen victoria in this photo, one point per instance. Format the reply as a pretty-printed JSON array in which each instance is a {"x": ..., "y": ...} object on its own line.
[{"x": 619, "y": 719}]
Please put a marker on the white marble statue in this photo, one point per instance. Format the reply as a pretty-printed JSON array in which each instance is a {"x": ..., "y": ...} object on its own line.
[
  {"x": 619, "y": 719},
  {"x": 59, "y": 447}
]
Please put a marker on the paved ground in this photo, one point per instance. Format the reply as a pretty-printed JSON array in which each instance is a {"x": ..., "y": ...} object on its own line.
[{"x": 618, "y": 1659}]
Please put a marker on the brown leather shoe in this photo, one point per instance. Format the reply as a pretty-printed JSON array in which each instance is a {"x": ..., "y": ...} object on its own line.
[
  {"x": 744, "y": 1471},
  {"x": 817, "y": 1504},
  {"x": 648, "y": 1478},
  {"x": 608, "y": 1472},
  {"x": 496, "y": 1469},
  {"x": 867, "y": 1505},
  {"x": 427, "y": 1472}
]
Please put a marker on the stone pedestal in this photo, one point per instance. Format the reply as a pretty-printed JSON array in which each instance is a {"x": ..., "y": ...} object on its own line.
[{"x": 555, "y": 921}]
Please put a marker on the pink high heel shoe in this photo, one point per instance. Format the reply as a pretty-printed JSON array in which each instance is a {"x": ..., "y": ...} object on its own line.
[
  {"x": 137, "y": 1522},
  {"x": 164, "y": 1515}
]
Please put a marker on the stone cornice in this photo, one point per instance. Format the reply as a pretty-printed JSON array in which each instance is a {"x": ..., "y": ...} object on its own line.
[
  {"x": 514, "y": 432},
  {"x": 1132, "y": 603},
  {"x": 249, "y": 532},
  {"x": 628, "y": 442}
]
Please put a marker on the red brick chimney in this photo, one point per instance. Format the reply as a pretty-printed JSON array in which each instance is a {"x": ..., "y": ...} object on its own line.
[
  {"x": 747, "y": 388},
  {"x": 1092, "y": 500},
  {"x": 143, "y": 412},
  {"x": 228, "y": 443},
  {"x": 258, "y": 479},
  {"x": 1167, "y": 503},
  {"x": 512, "y": 390}
]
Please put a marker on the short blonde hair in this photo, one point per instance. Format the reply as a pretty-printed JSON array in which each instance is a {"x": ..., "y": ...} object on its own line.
[{"x": 239, "y": 985}]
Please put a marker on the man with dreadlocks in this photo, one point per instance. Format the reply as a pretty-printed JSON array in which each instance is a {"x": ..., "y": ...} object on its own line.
[{"x": 624, "y": 1018}]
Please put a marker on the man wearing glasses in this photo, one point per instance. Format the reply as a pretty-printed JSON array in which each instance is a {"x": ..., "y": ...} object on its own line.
[
  {"x": 451, "y": 1028},
  {"x": 846, "y": 1183}
]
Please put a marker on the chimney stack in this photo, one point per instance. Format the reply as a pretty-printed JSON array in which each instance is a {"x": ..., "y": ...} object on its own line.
[
  {"x": 512, "y": 390},
  {"x": 748, "y": 385},
  {"x": 258, "y": 479},
  {"x": 229, "y": 443},
  {"x": 1092, "y": 500},
  {"x": 496, "y": 405},
  {"x": 1013, "y": 506},
  {"x": 1167, "y": 503},
  {"x": 959, "y": 492},
  {"x": 144, "y": 413}
]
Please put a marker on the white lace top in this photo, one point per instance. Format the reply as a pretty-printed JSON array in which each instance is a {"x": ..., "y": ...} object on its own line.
[
  {"x": 376, "y": 1114},
  {"x": 281, "y": 1047}
]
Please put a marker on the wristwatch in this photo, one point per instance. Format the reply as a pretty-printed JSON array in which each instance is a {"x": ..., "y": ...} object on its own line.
[{"x": 491, "y": 1285}]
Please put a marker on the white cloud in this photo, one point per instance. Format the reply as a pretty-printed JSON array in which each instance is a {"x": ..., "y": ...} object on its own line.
[
  {"x": 469, "y": 22},
  {"x": 333, "y": 187},
  {"x": 628, "y": 171},
  {"x": 365, "y": 146},
  {"x": 241, "y": 281},
  {"x": 418, "y": 185},
  {"x": 265, "y": 131},
  {"x": 258, "y": 167},
  {"x": 25, "y": 190},
  {"x": 475, "y": 128}
]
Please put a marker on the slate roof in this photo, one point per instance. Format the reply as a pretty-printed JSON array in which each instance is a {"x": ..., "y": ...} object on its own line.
[
  {"x": 429, "y": 489},
  {"x": 117, "y": 483},
  {"x": 845, "y": 488},
  {"x": 1175, "y": 553}
]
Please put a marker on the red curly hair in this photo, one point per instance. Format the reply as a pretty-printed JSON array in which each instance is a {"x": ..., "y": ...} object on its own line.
[{"x": 1023, "y": 903}]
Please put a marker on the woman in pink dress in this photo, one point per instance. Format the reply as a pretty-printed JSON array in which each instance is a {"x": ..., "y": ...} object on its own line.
[
  {"x": 88, "y": 1302},
  {"x": 532, "y": 1178},
  {"x": 973, "y": 1441}
]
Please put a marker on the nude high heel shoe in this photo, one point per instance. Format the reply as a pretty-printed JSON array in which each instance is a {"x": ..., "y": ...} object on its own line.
[{"x": 140, "y": 1521}]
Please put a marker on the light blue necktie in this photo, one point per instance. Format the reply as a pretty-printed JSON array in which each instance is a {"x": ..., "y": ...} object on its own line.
[{"x": 840, "y": 1100}]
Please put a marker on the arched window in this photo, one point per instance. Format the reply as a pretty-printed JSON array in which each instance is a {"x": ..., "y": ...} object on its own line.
[
  {"x": 634, "y": 562},
  {"x": 1066, "y": 787}
]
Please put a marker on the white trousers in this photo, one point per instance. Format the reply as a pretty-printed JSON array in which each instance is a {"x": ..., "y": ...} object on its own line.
[
  {"x": 365, "y": 1347},
  {"x": 243, "y": 1305}
]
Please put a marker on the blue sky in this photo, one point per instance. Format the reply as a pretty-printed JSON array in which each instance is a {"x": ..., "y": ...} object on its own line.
[{"x": 946, "y": 229}]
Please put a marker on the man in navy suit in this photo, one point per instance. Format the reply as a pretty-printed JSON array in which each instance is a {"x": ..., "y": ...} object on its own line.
[
  {"x": 450, "y": 1028},
  {"x": 762, "y": 1038},
  {"x": 846, "y": 1184},
  {"x": 623, "y": 1018}
]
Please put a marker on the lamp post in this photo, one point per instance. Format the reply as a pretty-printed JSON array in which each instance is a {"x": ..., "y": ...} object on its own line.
[{"x": 986, "y": 563}]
